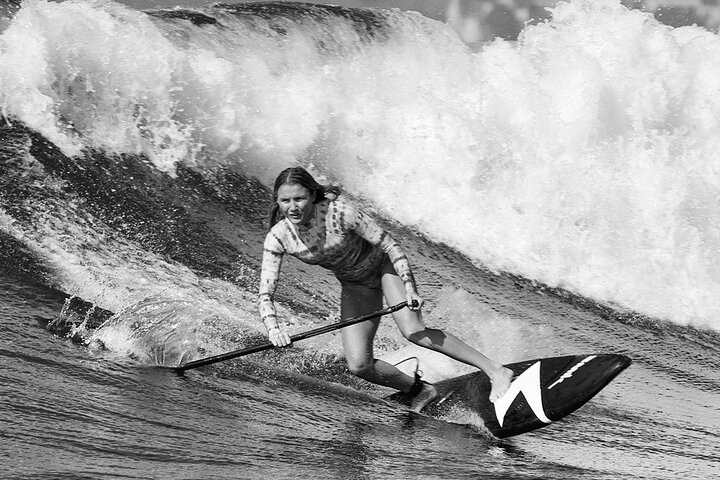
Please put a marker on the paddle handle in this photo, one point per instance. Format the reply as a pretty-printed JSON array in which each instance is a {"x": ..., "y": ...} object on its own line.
[{"x": 300, "y": 336}]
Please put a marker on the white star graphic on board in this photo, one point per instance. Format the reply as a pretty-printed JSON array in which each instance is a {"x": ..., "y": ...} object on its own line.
[{"x": 528, "y": 383}]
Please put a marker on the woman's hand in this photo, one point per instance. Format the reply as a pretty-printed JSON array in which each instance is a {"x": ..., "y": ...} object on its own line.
[
  {"x": 414, "y": 301},
  {"x": 279, "y": 338}
]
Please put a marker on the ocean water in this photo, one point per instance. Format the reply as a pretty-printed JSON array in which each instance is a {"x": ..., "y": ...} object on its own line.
[{"x": 558, "y": 195}]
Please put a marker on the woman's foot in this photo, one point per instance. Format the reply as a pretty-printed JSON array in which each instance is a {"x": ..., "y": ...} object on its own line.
[
  {"x": 425, "y": 395},
  {"x": 500, "y": 381}
]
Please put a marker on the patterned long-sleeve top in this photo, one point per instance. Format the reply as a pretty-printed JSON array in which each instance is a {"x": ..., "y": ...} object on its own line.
[{"x": 340, "y": 238}]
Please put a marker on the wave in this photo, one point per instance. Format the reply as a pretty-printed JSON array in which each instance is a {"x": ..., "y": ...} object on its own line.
[{"x": 581, "y": 156}]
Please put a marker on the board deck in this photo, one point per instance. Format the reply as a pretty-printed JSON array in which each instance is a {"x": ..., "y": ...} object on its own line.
[{"x": 543, "y": 390}]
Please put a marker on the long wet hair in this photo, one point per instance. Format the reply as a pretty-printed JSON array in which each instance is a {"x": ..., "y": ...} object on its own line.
[{"x": 298, "y": 176}]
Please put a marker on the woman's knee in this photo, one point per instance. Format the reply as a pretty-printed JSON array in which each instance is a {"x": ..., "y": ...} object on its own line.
[
  {"x": 361, "y": 367},
  {"x": 412, "y": 328},
  {"x": 426, "y": 337}
]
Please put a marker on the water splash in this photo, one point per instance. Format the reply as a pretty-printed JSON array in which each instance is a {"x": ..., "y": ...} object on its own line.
[
  {"x": 158, "y": 331},
  {"x": 582, "y": 156}
]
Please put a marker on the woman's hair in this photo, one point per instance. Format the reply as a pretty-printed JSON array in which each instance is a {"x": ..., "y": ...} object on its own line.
[{"x": 299, "y": 176}]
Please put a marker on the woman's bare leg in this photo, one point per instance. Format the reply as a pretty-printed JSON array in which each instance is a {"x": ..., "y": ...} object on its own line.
[
  {"x": 358, "y": 339},
  {"x": 411, "y": 325}
]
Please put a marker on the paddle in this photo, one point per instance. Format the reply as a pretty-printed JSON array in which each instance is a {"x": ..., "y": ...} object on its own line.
[{"x": 300, "y": 336}]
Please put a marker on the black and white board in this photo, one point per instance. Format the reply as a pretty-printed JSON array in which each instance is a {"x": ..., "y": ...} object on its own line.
[{"x": 542, "y": 391}]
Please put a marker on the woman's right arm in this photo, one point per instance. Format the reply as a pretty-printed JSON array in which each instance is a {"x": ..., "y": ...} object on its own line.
[{"x": 269, "y": 274}]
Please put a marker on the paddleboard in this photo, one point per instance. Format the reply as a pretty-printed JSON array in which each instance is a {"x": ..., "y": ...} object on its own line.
[{"x": 543, "y": 391}]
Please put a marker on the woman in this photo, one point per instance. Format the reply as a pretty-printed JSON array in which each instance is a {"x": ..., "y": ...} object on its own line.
[{"x": 320, "y": 227}]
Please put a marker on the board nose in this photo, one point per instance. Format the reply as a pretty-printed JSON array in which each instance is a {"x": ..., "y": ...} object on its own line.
[
  {"x": 606, "y": 367},
  {"x": 618, "y": 362}
]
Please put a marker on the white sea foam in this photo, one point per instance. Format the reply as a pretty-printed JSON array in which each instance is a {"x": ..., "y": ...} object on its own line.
[{"x": 584, "y": 156}]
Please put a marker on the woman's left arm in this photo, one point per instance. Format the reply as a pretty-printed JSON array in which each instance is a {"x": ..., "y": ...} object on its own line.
[{"x": 368, "y": 228}]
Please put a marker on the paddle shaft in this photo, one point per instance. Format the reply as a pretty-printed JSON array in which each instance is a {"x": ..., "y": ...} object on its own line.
[{"x": 300, "y": 336}]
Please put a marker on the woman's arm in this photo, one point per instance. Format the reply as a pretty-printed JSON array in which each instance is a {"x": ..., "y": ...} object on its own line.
[
  {"x": 268, "y": 283},
  {"x": 269, "y": 274}
]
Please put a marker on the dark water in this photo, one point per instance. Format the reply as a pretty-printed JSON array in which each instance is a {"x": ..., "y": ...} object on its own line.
[
  {"x": 134, "y": 185},
  {"x": 73, "y": 411}
]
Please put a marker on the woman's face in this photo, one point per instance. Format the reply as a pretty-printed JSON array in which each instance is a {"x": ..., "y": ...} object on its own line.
[{"x": 295, "y": 202}]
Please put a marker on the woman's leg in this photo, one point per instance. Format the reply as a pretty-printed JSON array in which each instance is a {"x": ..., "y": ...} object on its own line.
[
  {"x": 358, "y": 339},
  {"x": 411, "y": 325}
]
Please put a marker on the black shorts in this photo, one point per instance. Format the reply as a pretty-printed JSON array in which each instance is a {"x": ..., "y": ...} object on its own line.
[{"x": 371, "y": 275}]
